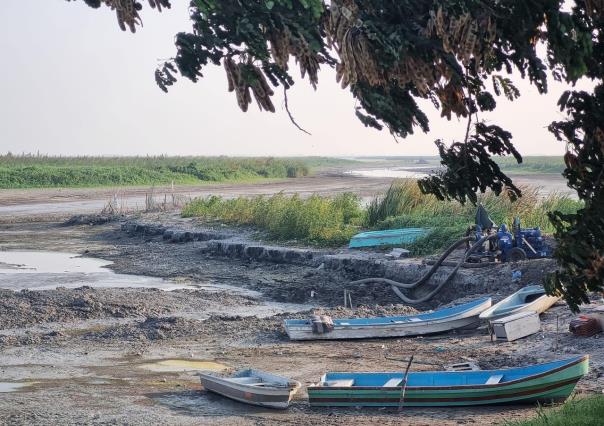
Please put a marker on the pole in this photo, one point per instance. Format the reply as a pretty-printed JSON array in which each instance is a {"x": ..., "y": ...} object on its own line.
[{"x": 404, "y": 384}]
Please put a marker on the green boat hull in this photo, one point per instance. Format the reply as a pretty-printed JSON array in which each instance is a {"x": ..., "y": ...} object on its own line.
[
  {"x": 390, "y": 237},
  {"x": 552, "y": 386}
]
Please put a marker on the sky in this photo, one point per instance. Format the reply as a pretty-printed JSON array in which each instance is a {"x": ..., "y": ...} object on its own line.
[{"x": 72, "y": 83}]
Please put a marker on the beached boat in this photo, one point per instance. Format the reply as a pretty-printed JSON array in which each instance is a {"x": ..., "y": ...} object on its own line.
[
  {"x": 253, "y": 387},
  {"x": 390, "y": 237},
  {"x": 550, "y": 382},
  {"x": 460, "y": 316},
  {"x": 530, "y": 298}
]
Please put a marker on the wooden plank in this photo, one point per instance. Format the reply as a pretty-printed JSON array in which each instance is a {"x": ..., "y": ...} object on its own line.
[{"x": 340, "y": 383}]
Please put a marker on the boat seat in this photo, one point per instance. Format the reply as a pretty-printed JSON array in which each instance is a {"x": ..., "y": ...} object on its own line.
[
  {"x": 494, "y": 379},
  {"x": 340, "y": 383},
  {"x": 393, "y": 383},
  {"x": 246, "y": 380}
]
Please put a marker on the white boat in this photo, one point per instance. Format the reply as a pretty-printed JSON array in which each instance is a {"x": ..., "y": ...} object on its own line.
[
  {"x": 530, "y": 298},
  {"x": 253, "y": 387},
  {"x": 460, "y": 316}
]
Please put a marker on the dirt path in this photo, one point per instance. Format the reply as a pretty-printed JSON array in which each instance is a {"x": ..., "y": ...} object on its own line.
[
  {"x": 88, "y": 355},
  {"x": 24, "y": 202},
  {"x": 67, "y": 201}
]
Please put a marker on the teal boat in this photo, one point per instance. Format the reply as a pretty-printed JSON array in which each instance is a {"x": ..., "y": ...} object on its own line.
[
  {"x": 549, "y": 382},
  {"x": 390, "y": 237}
]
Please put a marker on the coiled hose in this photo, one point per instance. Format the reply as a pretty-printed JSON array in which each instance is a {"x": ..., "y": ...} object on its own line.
[{"x": 396, "y": 286}]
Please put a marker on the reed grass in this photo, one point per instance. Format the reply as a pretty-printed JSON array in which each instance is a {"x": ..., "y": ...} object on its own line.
[
  {"x": 331, "y": 221},
  {"x": 316, "y": 220},
  {"x": 448, "y": 221}
]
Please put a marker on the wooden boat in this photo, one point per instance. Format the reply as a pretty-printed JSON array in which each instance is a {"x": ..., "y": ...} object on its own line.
[
  {"x": 253, "y": 387},
  {"x": 390, "y": 237},
  {"x": 550, "y": 382},
  {"x": 530, "y": 298},
  {"x": 460, "y": 316}
]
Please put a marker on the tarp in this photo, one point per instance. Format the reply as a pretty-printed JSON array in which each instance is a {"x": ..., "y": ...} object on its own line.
[{"x": 483, "y": 219}]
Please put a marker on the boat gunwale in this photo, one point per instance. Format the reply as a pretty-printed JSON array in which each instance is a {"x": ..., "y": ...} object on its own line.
[
  {"x": 388, "y": 233},
  {"x": 461, "y": 315},
  {"x": 570, "y": 364}
]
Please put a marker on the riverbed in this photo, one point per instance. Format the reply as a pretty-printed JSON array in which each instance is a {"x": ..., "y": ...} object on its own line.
[
  {"x": 100, "y": 354},
  {"x": 101, "y": 327}
]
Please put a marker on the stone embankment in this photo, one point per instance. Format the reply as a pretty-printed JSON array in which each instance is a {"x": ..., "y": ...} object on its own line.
[
  {"x": 352, "y": 264},
  {"x": 173, "y": 235}
]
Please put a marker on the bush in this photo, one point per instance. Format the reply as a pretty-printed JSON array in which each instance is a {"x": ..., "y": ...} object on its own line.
[{"x": 324, "y": 221}]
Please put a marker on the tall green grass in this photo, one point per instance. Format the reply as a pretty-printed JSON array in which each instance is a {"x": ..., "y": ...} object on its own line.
[
  {"x": 331, "y": 221},
  {"x": 576, "y": 412},
  {"x": 403, "y": 205},
  {"x": 35, "y": 171},
  {"x": 323, "y": 221}
]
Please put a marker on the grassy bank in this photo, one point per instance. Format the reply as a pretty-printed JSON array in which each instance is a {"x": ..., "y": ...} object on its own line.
[
  {"x": 316, "y": 220},
  {"x": 331, "y": 221},
  {"x": 577, "y": 412},
  {"x": 34, "y": 171},
  {"x": 403, "y": 205},
  {"x": 536, "y": 164}
]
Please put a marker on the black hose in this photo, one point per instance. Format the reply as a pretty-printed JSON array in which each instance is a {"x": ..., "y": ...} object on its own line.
[
  {"x": 396, "y": 286},
  {"x": 423, "y": 279}
]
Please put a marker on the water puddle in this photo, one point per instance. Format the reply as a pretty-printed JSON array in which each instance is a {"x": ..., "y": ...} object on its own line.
[
  {"x": 393, "y": 172},
  {"x": 12, "y": 387},
  {"x": 45, "y": 262},
  {"x": 44, "y": 270},
  {"x": 181, "y": 365}
]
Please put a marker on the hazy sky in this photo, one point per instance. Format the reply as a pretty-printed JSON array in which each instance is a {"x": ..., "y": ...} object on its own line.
[{"x": 72, "y": 83}]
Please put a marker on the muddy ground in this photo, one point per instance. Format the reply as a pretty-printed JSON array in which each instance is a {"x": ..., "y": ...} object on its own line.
[{"x": 84, "y": 353}]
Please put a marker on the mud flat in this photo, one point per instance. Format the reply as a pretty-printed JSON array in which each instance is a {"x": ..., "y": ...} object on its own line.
[{"x": 104, "y": 355}]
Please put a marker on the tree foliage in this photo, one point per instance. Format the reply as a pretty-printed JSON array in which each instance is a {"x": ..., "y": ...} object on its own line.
[{"x": 392, "y": 53}]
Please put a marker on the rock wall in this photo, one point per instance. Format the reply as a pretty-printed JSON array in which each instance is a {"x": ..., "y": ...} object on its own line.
[{"x": 495, "y": 279}]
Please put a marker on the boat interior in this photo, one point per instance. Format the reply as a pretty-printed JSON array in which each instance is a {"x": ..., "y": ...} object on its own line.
[
  {"x": 438, "y": 378},
  {"x": 258, "y": 378}
]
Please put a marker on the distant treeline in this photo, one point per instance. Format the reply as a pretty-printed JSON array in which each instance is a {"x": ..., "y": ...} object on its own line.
[{"x": 36, "y": 171}]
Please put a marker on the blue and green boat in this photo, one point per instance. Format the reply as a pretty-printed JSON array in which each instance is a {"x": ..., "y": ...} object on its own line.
[
  {"x": 546, "y": 383},
  {"x": 389, "y": 237}
]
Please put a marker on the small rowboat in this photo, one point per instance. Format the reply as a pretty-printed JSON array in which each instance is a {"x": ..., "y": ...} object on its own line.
[
  {"x": 439, "y": 321},
  {"x": 550, "y": 382},
  {"x": 253, "y": 387},
  {"x": 530, "y": 298},
  {"x": 390, "y": 237}
]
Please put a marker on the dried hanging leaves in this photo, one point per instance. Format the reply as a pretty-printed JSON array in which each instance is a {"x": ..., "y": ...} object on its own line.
[
  {"x": 243, "y": 78},
  {"x": 127, "y": 10}
]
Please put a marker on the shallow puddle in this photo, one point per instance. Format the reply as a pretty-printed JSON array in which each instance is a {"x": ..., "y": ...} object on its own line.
[
  {"x": 180, "y": 365},
  {"x": 44, "y": 270},
  {"x": 12, "y": 387}
]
